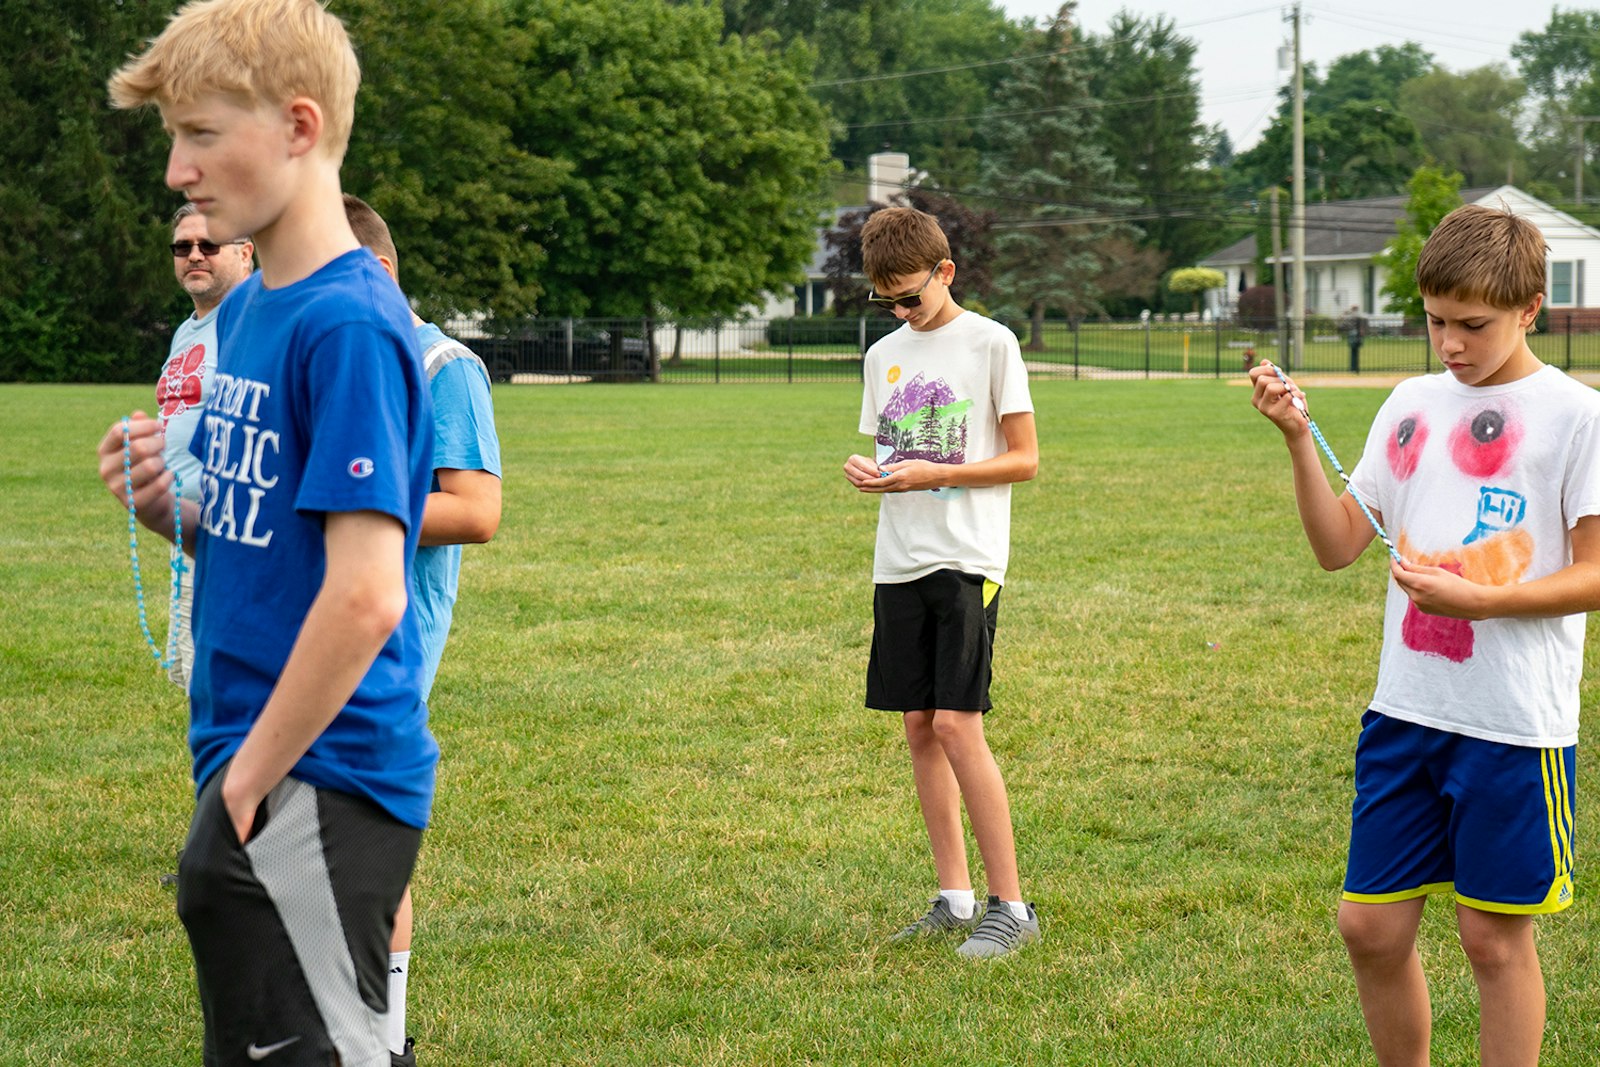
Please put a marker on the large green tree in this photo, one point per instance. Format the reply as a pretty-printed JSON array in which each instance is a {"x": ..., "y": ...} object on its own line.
[
  {"x": 697, "y": 165},
  {"x": 1054, "y": 186},
  {"x": 432, "y": 151},
  {"x": 1358, "y": 143},
  {"x": 1467, "y": 121},
  {"x": 1433, "y": 194},
  {"x": 913, "y": 76},
  {"x": 1561, "y": 67},
  {"x": 86, "y": 284}
]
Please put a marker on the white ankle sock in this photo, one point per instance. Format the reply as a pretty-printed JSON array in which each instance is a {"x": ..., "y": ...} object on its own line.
[
  {"x": 395, "y": 1025},
  {"x": 1017, "y": 908},
  {"x": 962, "y": 902}
]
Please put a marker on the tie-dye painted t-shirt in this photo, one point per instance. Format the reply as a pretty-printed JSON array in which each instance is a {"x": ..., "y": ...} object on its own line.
[
  {"x": 938, "y": 395},
  {"x": 1485, "y": 481}
]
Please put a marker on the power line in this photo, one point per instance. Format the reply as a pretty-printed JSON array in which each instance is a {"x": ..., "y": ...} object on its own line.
[
  {"x": 943, "y": 70},
  {"x": 865, "y": 78},
  {"x": 990, "y": 116}
]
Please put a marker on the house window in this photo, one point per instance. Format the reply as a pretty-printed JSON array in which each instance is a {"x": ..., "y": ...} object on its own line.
[{"x": 1561, "y": 284}]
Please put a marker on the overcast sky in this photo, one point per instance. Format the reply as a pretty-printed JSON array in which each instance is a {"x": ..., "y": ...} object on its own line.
[{"x": 1238, "y": 40}]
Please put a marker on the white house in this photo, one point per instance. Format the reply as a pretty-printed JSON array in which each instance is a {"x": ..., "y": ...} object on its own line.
[
  {"x": 888, "y": 175},
  {"x": 1344, "y": 236}
]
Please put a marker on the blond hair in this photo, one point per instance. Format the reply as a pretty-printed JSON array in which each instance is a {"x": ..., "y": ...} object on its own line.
[
  {"x": 371, "y": 230},
  {"x": 1484, "y": 254},
  {"x": 901, "y": 240},
  {"x": 266, "y": 51}
]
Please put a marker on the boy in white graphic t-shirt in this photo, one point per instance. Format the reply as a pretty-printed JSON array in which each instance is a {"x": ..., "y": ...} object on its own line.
[
  {"x": 946, "y": 402},
  {"x": 1488, "y": 479}
]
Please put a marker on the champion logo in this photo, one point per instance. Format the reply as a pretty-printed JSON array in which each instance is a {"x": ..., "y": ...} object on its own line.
[
  {"x": 261, "y": 1052},
  {"x": 361, "y": 467}
]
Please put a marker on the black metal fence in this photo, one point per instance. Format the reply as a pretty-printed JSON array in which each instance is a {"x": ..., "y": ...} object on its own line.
[{"x": 825, "y": 348}]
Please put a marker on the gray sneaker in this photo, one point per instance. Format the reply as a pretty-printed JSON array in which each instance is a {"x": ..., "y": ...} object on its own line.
[
  {"x": 939, "y": 920},
  {"x": 1000, "y": 933}
]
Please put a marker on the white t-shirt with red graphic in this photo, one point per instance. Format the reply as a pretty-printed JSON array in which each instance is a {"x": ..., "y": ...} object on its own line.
[
  {"x": 939, "y": 395},
  {"x": 181, "y": 393},
  {"x": 1486, "y": 481}
]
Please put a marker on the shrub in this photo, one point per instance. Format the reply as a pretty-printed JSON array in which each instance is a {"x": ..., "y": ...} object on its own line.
[
  {"x": 1257, "y": 308},
  {"x": 827, "y": 329}
]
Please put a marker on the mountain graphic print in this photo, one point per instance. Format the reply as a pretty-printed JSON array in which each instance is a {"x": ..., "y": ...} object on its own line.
[{"x": 923, "y": 420}]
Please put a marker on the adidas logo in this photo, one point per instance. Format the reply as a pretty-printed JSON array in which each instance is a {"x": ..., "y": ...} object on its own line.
[
  {"x": 402, "y": 970},
  {"x": 1566, "y": 893}
]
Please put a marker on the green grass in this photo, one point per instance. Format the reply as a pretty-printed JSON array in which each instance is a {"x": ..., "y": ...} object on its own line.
[{"x": 668, "y": 833}]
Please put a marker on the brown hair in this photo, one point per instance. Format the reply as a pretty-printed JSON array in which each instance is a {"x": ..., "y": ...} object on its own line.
[
  {"x": 264, "y": 51},
  {"x": 1484, "y": 254},
  {"x": 371, "y": 230},
  {"x": 901, "y": 240}
]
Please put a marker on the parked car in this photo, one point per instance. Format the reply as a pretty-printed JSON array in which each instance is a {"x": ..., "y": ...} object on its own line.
[{"x": 586, "y": 350}]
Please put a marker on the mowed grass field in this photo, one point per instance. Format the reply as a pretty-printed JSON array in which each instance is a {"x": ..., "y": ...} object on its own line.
[{"x": 667, "y": 832}]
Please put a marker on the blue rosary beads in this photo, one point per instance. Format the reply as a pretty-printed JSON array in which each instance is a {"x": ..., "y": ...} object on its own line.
[
  {"x": 170, "y": 659},
  {"x": 1322, "y": 442}
]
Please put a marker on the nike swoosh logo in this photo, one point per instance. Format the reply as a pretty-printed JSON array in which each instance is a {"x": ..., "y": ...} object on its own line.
[{"x": 261, "y": 1052}]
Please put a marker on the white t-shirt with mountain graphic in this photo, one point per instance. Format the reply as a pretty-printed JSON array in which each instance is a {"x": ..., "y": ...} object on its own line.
[{"x": 939, "y": 395}]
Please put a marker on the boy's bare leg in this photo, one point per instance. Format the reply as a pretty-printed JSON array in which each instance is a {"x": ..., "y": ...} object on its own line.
[
  {"x": 401, "y": 939},
  {"x": 940, "y": 798},
  {"x": 960, "y": 736},
  {"x": 1382, "y": 942},
  {"x": 1511, "y": 1003}
]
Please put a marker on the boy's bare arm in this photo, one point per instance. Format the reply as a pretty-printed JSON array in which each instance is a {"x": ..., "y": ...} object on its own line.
[
  {"x": 360, "y": 602},
  {"x": 465, "y": 510},
  {"x": 1018, "y": 463},
  {"x": 1334, "y": 526},
  {"x": 1572, "y": 589},
  {"x": 152, "y": 483}
]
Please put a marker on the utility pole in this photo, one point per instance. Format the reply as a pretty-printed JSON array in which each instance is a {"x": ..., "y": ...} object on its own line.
[
  {"x": 1281, "y": 326},
  {"x": 1297, "y": 210},
  {"x": 1577, "y": 179}
]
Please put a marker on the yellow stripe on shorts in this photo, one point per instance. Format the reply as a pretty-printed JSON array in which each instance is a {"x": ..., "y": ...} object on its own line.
[{"x": 989, "y": 590}]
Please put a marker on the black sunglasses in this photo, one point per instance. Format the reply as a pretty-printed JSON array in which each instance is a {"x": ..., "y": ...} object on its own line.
[
  {"x": 181, "y": 249},
  {"x": 910, "y": 300}
]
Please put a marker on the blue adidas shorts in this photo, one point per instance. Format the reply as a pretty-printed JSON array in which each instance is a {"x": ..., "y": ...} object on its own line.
[{"x": 1436, "y": 812}]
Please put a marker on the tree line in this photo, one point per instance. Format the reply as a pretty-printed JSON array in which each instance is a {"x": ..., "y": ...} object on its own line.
[{"x": 676, "y": 158}]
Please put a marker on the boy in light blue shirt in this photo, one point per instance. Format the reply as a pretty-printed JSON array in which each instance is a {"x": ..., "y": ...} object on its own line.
[{"x": 463, "y": 507}]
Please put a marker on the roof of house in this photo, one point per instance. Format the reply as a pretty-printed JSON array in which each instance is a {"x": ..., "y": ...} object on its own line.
[{"x": 1340, "y": 229}]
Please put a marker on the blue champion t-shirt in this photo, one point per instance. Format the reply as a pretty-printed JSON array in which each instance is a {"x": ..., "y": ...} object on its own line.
[
  {"x": 464, "y": 439},
  {"x": 319, "y": 406}
]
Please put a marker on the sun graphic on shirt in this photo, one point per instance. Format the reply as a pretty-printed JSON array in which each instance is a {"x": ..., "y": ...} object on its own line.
[{"x": 894, "y": 374}]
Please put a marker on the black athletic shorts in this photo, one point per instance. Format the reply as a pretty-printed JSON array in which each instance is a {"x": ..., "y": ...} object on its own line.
[
  {"x": 933, "y": 643},
  {"x": 290, "y": 932}
]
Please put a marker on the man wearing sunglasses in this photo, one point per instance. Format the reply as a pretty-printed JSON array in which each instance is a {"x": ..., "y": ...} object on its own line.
[{"x": 207, "y": 272}]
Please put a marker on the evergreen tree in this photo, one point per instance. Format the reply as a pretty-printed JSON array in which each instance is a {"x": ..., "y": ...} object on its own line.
[
  {"x": 86, "y": 285},
  {"x": 1144, "y": 76},
  {"x": 1056, "y": 187}
]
